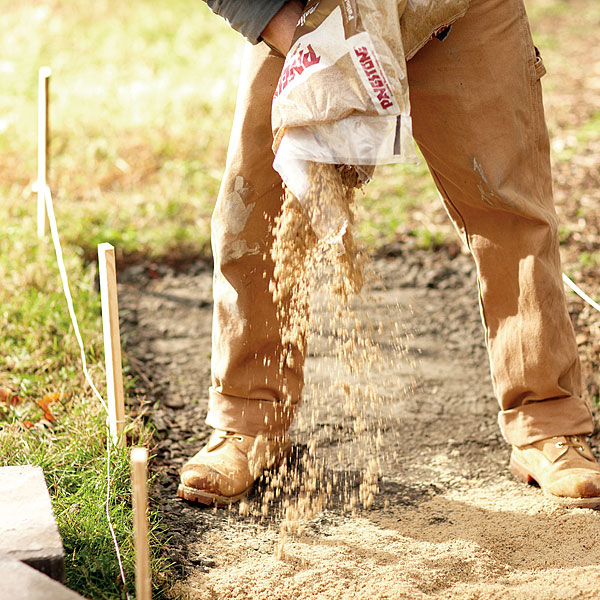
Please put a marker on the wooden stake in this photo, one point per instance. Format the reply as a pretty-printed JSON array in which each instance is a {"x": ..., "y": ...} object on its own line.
[
  {"x": 43, "y": 148},
  {"x": 139, "y": 477},
  {"x": 112, "y": 342}
]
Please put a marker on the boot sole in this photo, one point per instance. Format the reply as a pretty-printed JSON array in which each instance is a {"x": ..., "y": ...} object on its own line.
[
  {"x": 193, "y": 495},
  {"x": 209, "y": 499},
  {"x": 523, "y": 474}
]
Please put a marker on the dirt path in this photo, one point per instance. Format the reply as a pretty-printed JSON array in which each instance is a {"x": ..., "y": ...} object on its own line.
[{"x": 449, "y": 522}]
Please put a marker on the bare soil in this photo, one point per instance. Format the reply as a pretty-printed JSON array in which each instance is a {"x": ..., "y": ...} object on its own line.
[{"x": 449, "y": 520}]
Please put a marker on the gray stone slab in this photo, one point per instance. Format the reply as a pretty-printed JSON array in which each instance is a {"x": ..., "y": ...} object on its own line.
[
  {"x": 19, "y": 581},
  {"x": 28, "y": 530}
]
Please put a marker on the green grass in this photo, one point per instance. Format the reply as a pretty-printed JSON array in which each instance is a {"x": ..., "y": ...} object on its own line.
[
  {"x": 40, "y": 356},
  {"x": 590, "y": 130},
  {"x": 141, "y": 109},
  {"x": 72, "y": 455},
  {"x": 590, "y": 260},
  {"x": 393, "y": 206}
]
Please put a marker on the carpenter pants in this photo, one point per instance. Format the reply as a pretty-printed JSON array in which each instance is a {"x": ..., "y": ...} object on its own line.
[{"x": 478, "y": 119}]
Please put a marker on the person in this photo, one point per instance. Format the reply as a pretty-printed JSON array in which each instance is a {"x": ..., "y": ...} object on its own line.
[{"x": 478, "y": 119}]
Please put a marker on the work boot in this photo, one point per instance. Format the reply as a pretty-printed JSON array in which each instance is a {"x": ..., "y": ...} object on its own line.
[
  {"x": 563, "y": 466},
  {"x": 227, "y": 467}
]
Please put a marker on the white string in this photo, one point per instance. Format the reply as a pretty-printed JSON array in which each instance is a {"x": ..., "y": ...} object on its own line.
[
  {"x": 106, "y": 504},
  {"x": 65, "y": 283},
  {"x": 69, "y": 298},
  {"x": 580, "y": 292}
]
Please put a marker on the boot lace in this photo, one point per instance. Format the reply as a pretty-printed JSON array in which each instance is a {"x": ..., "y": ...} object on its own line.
[
  {"x": 231, "y": 436},
  {"x": 572, "y": 441}
]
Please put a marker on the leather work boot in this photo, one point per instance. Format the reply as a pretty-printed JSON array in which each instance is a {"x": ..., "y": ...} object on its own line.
[
  {"x": 227, "y": 467},
  {"x": 564, "y": 467}
]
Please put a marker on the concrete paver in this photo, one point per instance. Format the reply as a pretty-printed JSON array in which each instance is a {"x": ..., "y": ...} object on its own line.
[
  {"x": 28, "y": 530},
  {"x": 21, "y": 582}
]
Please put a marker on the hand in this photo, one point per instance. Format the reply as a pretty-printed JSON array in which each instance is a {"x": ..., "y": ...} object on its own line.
[{"x": 279, "y": 32}]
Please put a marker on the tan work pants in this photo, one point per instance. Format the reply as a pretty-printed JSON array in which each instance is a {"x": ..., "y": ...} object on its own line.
[{"x": 478, "y": 119}]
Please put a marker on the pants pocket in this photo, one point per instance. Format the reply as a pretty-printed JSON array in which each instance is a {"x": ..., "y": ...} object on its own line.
[{"x": 540, "y": 68}]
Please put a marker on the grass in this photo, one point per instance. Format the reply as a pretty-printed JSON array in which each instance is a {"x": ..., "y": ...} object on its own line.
[
  {"x": 40, "y": 358},
  {"x": 140, "y": 115},
  {"x": 142, "y": 99},
  {"x": 72, "y": 455}
]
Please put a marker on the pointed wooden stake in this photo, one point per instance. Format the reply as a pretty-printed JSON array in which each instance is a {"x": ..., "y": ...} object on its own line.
[
  {"x": 112, "y": 342},
  {"x": 43, "y": 148},
  {"x": 139, "y": 477}
]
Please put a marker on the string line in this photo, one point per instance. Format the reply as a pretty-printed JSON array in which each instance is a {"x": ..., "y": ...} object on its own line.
[
  {"x": 580, "y": 292},
  {"x": 69, "y": 298}
]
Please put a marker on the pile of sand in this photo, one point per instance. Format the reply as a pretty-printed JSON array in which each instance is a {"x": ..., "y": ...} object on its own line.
[{"x": 492, "y": 542}]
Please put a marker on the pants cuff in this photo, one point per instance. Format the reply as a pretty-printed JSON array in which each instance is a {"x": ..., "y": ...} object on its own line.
[
  {"x": 540, "y": 420},
  {"x": 249, "y": 416}
]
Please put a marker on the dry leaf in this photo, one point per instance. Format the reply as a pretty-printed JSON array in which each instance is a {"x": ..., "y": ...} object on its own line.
[
  {"x": 27, "y": 424},
  {"x": 44, "y": 403},
  {"x": 8, "y": 396}
]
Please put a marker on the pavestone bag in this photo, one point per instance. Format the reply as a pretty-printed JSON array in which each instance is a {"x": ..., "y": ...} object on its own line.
[{"x": 342, "y": 97}]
